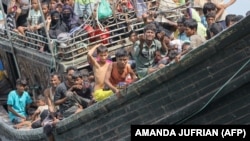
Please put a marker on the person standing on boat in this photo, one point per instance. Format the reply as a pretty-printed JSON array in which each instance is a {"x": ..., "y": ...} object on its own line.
[
  {"x": 100, "y": 67},
  {"x": 18, "y": 103},
  {"x": 145, "y": 50}
]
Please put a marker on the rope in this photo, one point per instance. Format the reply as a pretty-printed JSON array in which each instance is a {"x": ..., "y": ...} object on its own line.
[{"x": 209, "y": 101}]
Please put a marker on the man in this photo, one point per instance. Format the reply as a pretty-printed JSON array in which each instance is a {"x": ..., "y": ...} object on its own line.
[
  {"x": 67, "y": 106},
  {"x": 145, "y": 50},
  {"x": 118, "y": 72},
  {"x": 18, "y": 103}
]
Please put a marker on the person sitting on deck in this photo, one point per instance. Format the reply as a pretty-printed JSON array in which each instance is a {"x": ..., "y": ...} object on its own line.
[
  {"x": 42, "y": 109},
  {"x": 118, "y": 72},
  {"x": 67, "y": 107},
  {"x": 100, "y": 67},
  {"x": 18, "y": 103},
  {"x": 81, "y": 91},
  {"x": 49, "y": 93}
]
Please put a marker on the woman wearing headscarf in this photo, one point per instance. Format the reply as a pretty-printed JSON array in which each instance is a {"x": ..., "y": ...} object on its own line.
[
  {"x": 70, "y": 18},
  {"x": 57, "y": 26}
]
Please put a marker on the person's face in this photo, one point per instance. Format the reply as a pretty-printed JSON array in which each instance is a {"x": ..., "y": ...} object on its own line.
[
  {"x": 78, "y": 81},
  {"x": 181, "y": 27},
  {"x": 149, "y": 35},
  {"x": 103, "y": 57},
  {"x": 185, "y": 48},
  {"x": 59, "y": 8},
  {"x": 52, "y": 4},
  {"x": 35, "y": 4},
  {"x": 133, "y": 37},
  {"x": 20, "y": 88},
  {"x": 40, "y": 103},
  {"x": 69, "y": 2},
  {"x": 69, "y": 76},
  {"x": 189, "y": 32},
  {"x": 158, "y": 56},
  {"x": 186, "y": 15},
  {"x": 122, "y": 61},
  {"x": 45, "y": 9},
  {"x": 210, "y": 20},
  {"x": 54, "y": 81}
]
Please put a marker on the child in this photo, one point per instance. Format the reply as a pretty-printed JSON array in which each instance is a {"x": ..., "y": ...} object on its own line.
[
  {"x": 100, "y": 67},
  {"x": 40, "y": 113}
]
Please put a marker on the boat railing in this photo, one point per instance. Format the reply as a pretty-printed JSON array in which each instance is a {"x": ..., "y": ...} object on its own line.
[{"x": 112, "y": 32}]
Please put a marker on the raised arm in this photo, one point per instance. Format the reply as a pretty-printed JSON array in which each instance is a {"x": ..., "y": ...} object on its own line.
[{"x": 92, "y": 61}]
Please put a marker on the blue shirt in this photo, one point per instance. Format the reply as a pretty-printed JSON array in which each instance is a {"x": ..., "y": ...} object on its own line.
[{"x": 18, "y": 103}]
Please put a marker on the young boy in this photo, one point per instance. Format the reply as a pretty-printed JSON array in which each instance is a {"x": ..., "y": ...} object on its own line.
[
  {"x": 100, "y": 67},
  {"x": 40, "y": 113},
  {"x": 118, "y": 71},
  {"x": 195, "y": 39}
]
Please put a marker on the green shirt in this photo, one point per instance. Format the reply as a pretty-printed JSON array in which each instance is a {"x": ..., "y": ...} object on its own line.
[{"x": 145, "y": 58}]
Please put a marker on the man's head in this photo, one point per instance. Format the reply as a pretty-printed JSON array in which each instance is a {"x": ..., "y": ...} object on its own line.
[
  {"x": 102, "y": 53},
  {"x": 55, "y": 79},
  {"x": 77, "y": 77},
  {"x": 210, "y": 18},
  {"x": 209, "y": 7},
  {"x": 69, "y": 72},
  {"x": 21, "y": 85},
  {"x": 190, "y": 27},
  {"x": 121, "y": 56},
  {"x": 149, "y": 32},
  {"x": 180, "y": 24}
]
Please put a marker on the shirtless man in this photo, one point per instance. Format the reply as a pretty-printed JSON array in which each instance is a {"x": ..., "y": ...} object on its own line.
[{"x": 100, "y": 67}]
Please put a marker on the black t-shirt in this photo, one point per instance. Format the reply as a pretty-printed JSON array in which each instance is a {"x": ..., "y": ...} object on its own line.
[{"x": 61, "y": 93}]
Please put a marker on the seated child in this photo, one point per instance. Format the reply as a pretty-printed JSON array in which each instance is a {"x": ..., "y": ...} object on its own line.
[{"x": 40, "y": 113}]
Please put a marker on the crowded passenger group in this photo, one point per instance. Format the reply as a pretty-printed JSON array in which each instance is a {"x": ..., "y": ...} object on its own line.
[{"x": 162, "y": 41}]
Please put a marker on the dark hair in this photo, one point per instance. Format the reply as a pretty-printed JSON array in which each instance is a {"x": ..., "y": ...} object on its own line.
[
  {"x": 132, "y": 32},
  {"x": 21, "y": 81},
  {"x": 239, "y": 17},
  {"x": 230, "y": 18},
  {"x": 150, "y": 26},
  {"x": 101, "y": 49},
  {"x": 210, "y": 14},
  {"x": 215, "y": 28},
  {"x": 77, "y": 74},
  {"x": 71, "y": 68},
  {"x": 56, "y": 74},
  {"x": 121, "y": 53},
  {"x": 191, "y": 23},
  {"x": 181, "y": 20},
  {"x": 208, "y": 6}
]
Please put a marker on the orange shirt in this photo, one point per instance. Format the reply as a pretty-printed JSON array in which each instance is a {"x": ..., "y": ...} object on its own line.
[{"x": 116, "y": 77}]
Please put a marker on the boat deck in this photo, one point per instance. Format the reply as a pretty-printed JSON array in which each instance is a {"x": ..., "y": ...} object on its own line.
[{"x": 4, "y": 116}]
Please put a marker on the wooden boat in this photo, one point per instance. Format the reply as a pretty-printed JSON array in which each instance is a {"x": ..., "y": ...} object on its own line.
[{"x": 210, "y": 85}]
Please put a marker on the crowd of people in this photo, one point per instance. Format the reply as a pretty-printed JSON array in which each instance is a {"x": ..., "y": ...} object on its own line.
[{"x": 163, "y": 41}]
